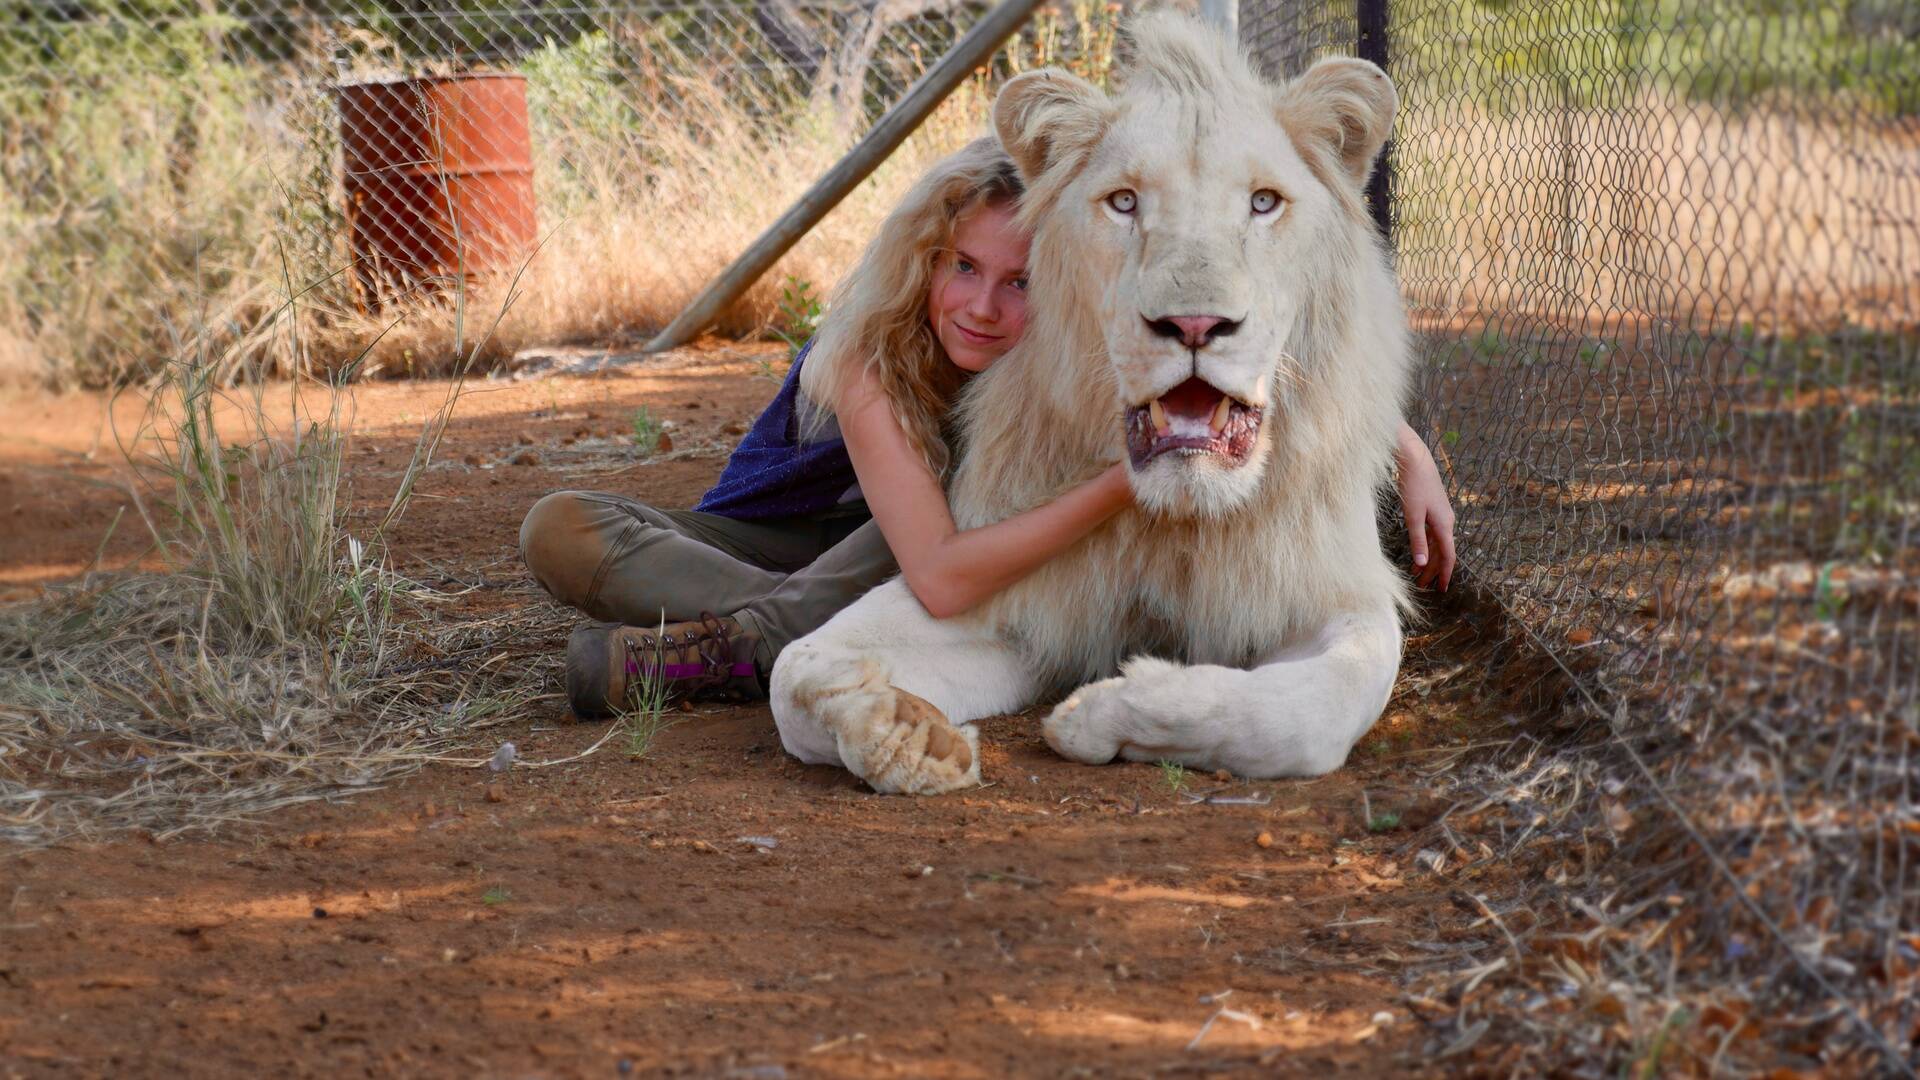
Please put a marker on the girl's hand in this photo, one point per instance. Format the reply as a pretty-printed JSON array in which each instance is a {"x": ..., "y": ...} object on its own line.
[{"x": 1423, "y": 499}]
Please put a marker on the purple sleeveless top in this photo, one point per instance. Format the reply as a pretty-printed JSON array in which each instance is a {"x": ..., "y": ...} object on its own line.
[{"x": 772, "y": 473}]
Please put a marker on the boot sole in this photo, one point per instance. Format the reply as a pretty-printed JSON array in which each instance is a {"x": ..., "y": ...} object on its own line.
[{"x": 588, "y": 694}]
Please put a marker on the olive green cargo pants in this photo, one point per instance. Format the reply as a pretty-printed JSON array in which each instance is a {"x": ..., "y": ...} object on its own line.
[{"x": 619, "y": 559}]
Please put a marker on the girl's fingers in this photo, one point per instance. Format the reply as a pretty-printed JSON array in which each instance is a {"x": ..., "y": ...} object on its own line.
[
  {"x": 1443, "y": 539},
  {"x": 1427, "y": 542}
]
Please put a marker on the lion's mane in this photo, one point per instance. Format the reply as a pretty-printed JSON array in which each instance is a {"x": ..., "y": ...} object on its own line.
[{"x": 1203, "y": 590}]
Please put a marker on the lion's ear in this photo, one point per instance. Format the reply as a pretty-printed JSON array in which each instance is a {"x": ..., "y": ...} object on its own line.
[
  {"x": 1045, "y": 116},
  {"x": 1348, "y": 104}
]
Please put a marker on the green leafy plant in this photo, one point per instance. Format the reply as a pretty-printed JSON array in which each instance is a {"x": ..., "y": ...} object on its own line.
[
  {"x": 1175, "y": 775},
  {"x": 800, "y": 312},
  {"x": 645, "y": 713},
  {"x": 495, "y": 895},
  {"x": 1827, "y": 601},
  {"x": 576, "y": 103},
  {"x": 646, "y": 430},
  {"x": 1490, "y": 345},
  {"x": 1385, "y": 821}
]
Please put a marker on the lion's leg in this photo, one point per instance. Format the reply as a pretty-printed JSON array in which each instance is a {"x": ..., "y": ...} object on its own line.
[
  {"x": 889, "y": 692},
  {"x": 1297, "y": 713}
]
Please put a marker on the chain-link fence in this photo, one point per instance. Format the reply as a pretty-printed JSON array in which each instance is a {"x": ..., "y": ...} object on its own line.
[
  {"x": 1663, "y": 259},
  {"x": 171, "y": 169},
  {"x": 1664, "y": 263}
]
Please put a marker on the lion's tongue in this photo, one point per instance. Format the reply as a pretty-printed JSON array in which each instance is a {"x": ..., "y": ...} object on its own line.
[{"x": 1189, "y": 409}]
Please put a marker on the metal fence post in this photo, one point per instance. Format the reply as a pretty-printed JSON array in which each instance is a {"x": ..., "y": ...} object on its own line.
[{"x": 1372, "y": 16}]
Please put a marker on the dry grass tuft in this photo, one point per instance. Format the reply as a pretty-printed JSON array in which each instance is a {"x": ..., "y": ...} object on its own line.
[
  {"x": 276, "y": 660},
  {"x": 649, "y": 210},
  {"x": 653, "y": 168},
  {"x": 642, "y": 245},
  {"x": 127, "y": 709}
]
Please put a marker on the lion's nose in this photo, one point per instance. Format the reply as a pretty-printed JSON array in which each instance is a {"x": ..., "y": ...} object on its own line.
[{"x": 1193, "y": 331}]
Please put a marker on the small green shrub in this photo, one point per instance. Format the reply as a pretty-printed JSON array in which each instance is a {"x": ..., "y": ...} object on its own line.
[
  {"x": 1175, "y": 775},
  {"x": 800, "y": 312},
  {"x": 644, "y": 715},
  {"x": 1490, "y": 345},
  {"x": 646, "y": 430}
]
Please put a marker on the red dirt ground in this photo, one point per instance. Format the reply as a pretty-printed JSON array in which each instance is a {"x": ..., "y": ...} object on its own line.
[{"x": 606, "y": 918}]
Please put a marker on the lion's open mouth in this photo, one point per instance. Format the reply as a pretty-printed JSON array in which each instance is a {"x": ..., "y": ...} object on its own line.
[{"x": 1193, "y": 418}]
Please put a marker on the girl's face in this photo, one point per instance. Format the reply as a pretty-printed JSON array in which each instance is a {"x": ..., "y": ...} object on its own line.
[{"x": 978, "y": 303}]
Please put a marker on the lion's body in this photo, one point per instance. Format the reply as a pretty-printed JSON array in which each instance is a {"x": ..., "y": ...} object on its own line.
[
  {"x": 1204, "y": 590},
  {"x": 1257, "y": 586}
]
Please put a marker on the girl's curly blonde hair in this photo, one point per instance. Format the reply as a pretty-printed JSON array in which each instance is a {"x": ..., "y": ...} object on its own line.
[{"x": 878, "y": 318}]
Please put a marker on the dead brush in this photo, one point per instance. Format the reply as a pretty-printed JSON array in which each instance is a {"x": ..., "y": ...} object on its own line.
[
  {"x": 656, "y": 167},
  {"x": 275, "y": 659},
  {"x": 630, "y": 246}
]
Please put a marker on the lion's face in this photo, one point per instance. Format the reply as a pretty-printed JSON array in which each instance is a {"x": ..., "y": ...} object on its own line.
[{"x": 1195, "y": 225}]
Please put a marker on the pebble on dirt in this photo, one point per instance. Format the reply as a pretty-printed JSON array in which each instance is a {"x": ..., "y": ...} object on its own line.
[
  {"x": 1265, "y": 839},
  {"x": 524, "y": 457}
]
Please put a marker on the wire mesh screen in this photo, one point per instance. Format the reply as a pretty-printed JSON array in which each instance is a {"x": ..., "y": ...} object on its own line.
[
  {"x": 1663, "y": 261},
  {"x": 1287, "y": 37},
  {"x": 172, "y": 169}
]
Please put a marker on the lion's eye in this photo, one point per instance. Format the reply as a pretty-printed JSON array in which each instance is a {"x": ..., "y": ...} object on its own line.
[
  {"x": 1266, "y": 201},
  {"x": 1123, "y": 201}
]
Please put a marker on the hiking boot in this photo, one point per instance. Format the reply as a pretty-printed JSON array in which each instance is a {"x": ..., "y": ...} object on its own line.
[{"x": 609, "y": 666}]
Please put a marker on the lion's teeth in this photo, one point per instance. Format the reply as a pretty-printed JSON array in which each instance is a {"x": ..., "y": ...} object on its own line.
[
  {"x": 1220, "y": 413},
  {"x": 1159, "y": 417}
]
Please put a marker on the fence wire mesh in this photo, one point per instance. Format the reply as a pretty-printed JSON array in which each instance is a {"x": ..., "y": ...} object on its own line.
[
  {"x": 173, "y": 168},
  {"x": 1663, "y": 260},
  {"x": 1664, "y": 265}
]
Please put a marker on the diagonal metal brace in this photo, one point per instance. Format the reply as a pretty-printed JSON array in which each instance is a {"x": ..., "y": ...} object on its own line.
[{"x": 970, "y": 52}]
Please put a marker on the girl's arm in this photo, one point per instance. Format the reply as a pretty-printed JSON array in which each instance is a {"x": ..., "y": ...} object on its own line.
[
  {"x": 1423, "y": 499},
  {"x": 950, "y": 570}
]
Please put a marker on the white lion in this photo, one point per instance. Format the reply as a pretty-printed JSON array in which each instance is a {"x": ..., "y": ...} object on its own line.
[{"x": 1210, "y": 301}]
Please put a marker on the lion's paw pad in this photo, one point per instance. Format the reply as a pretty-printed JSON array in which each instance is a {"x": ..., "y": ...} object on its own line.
[{"x": 911, "y": 748}]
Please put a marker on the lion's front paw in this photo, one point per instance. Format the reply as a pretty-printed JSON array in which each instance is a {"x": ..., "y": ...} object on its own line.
[
  {"x": 902, "y": 745},
  {"x": 1086, "y": 726}
]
